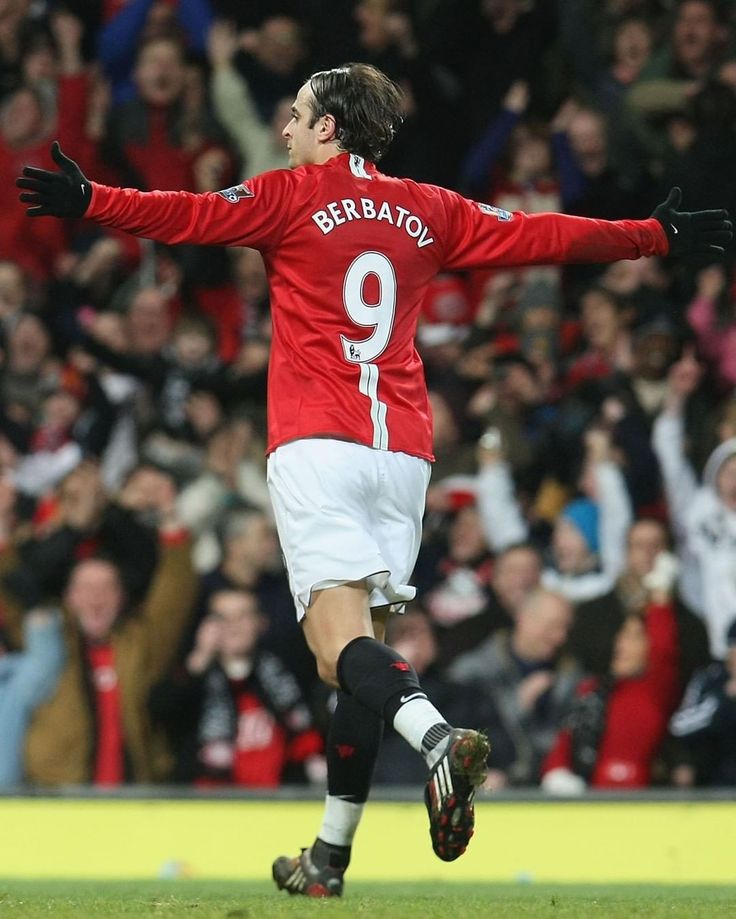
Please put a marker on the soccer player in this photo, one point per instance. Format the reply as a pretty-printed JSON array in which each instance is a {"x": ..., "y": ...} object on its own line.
[{"x": 349, "y": 254}]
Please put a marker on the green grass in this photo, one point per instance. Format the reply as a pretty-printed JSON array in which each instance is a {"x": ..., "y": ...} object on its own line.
[{"x": 232, "y": 900}]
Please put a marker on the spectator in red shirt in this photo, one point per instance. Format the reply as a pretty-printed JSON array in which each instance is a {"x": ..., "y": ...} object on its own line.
[
  {"x": 47, "y": 104},
  {"x": 237, "y": 714},
  {"x": 606, "y": 336},
  {"x": 617, "y": 724},
  {"x": 165, "y": 138}
]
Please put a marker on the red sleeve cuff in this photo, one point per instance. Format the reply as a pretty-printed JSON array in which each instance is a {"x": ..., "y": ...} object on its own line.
[
  {"x": 663, "y": 244},
  {"x": 97, "y": 201}
]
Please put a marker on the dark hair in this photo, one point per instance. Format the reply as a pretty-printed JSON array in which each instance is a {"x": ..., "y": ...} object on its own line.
[
  {"x": 199, "y": 325},
  {"x": 652, "y": 521},
  {"x": 523, "y": 546},
  {"x": 365, "y": 104},
  {"x": 164, "y": 38},
  {"x": 717, "y": 6}
]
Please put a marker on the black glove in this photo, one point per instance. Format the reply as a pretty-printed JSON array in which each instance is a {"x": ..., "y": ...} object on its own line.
[
  {"x": 56, "y": 194},
  {"x": 693, "y": 232}
]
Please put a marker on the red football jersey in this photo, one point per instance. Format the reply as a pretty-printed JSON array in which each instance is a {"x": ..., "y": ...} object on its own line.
[{"x": 349, "y": 254}]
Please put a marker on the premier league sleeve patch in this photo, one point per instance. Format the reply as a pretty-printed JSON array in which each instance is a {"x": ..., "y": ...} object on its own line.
[
  {"x": 236, "y": 193},
  {"x": 498, "y": 212}
]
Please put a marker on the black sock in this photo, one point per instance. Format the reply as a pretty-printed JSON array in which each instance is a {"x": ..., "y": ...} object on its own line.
[
  {"x": 353, "y": 741},
  {"x": 376, "y": 676},
  {"x": 325, "y": 855}
]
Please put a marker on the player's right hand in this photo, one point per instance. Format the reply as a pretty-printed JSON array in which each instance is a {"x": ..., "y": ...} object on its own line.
[{"x": 55, "y": 194}]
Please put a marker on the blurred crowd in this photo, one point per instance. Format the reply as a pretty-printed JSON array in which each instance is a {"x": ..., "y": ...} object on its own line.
[{"x": 577, "y": 580}]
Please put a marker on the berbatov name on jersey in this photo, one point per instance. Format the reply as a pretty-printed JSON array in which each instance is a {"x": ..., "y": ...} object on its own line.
[{"x": 347, "y": 209}]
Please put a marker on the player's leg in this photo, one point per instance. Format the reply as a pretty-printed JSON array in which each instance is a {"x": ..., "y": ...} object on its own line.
[
  {"x": 326, "y": 527},
  {"x": 457, "y": 767},
  {"x": 386, "y": 684},
  {"x": 339, "y": 618},
  {"x": 352, "y": 745},
  {"x": 353, "y": 741}
]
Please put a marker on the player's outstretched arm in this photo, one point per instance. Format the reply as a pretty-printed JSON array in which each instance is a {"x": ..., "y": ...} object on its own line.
[
  {"x": 693, "y": 232},
  {"x": 235, "y": 217},
  {"x": 478, "y": 235},
  {"x": 55, "y": 194}
]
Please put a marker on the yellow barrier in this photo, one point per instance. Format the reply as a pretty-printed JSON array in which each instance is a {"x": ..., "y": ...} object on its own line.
[{"x": 557, "y": 842}]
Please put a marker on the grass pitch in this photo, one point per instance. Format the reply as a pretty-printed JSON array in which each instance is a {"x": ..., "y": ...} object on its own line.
[{"x": 192, "y": 899}]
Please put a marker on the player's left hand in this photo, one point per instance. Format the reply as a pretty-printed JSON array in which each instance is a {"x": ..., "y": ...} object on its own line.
[{"x": 693, "y": 232}]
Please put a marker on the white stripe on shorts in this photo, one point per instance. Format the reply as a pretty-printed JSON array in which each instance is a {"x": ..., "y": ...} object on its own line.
[{"x": 369, "y": 387}]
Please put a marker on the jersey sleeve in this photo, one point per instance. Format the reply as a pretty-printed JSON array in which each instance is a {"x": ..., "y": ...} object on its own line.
[
  {"x": 253, "y": 213},
  {"x": 479, "y": 235}
]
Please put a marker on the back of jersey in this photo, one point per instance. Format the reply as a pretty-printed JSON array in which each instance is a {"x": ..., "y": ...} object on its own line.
[{"x": 347, "y": 279}]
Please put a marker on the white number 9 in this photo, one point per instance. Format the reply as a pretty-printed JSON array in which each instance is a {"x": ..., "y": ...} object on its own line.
[{"x": 379, "y": 316}]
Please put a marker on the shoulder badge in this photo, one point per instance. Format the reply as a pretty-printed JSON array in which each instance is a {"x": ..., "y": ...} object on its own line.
[
  {"x": 498, "y": 212},
  {"x": 234, "y": 194}
]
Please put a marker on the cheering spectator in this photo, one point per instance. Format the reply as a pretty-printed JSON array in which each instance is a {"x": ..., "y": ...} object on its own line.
[
  {"x": 703, "y": 516},
  {"x": 528, "y": 183},
  {"x": 598, "y": 621},
  {"x": 131, "y": 23},
  {"x": 271, "y": 61},
  {"x": 79, "y": 520},
  {"x": 104, "y": 736},
  {"x": 588, "y": 540},
  {"x": 609, "y": 184},
  {"x": 251, "y": 562},
  {"x": 260, "y": 143},
  {"x": 633, "y": 42},
  {"x": 29, "y": 117},
  {"x": 606, "y": 336},
  {"x": 696, "y": 45},
  {"x": 237, "y": 713},
  {"x": 165, "y": 138},
  {"x": 172, "y": 376},
  {"x": 516, "y": 573},
  {"x": 696, "y": 42},
  {"x": 589, "y": 537},
  {"x": 616, "y": 725},
  {"x": 607, "y": 43}
]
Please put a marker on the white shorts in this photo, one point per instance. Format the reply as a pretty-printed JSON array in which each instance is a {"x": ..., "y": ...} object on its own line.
[{"x": 344, "y": 513}]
